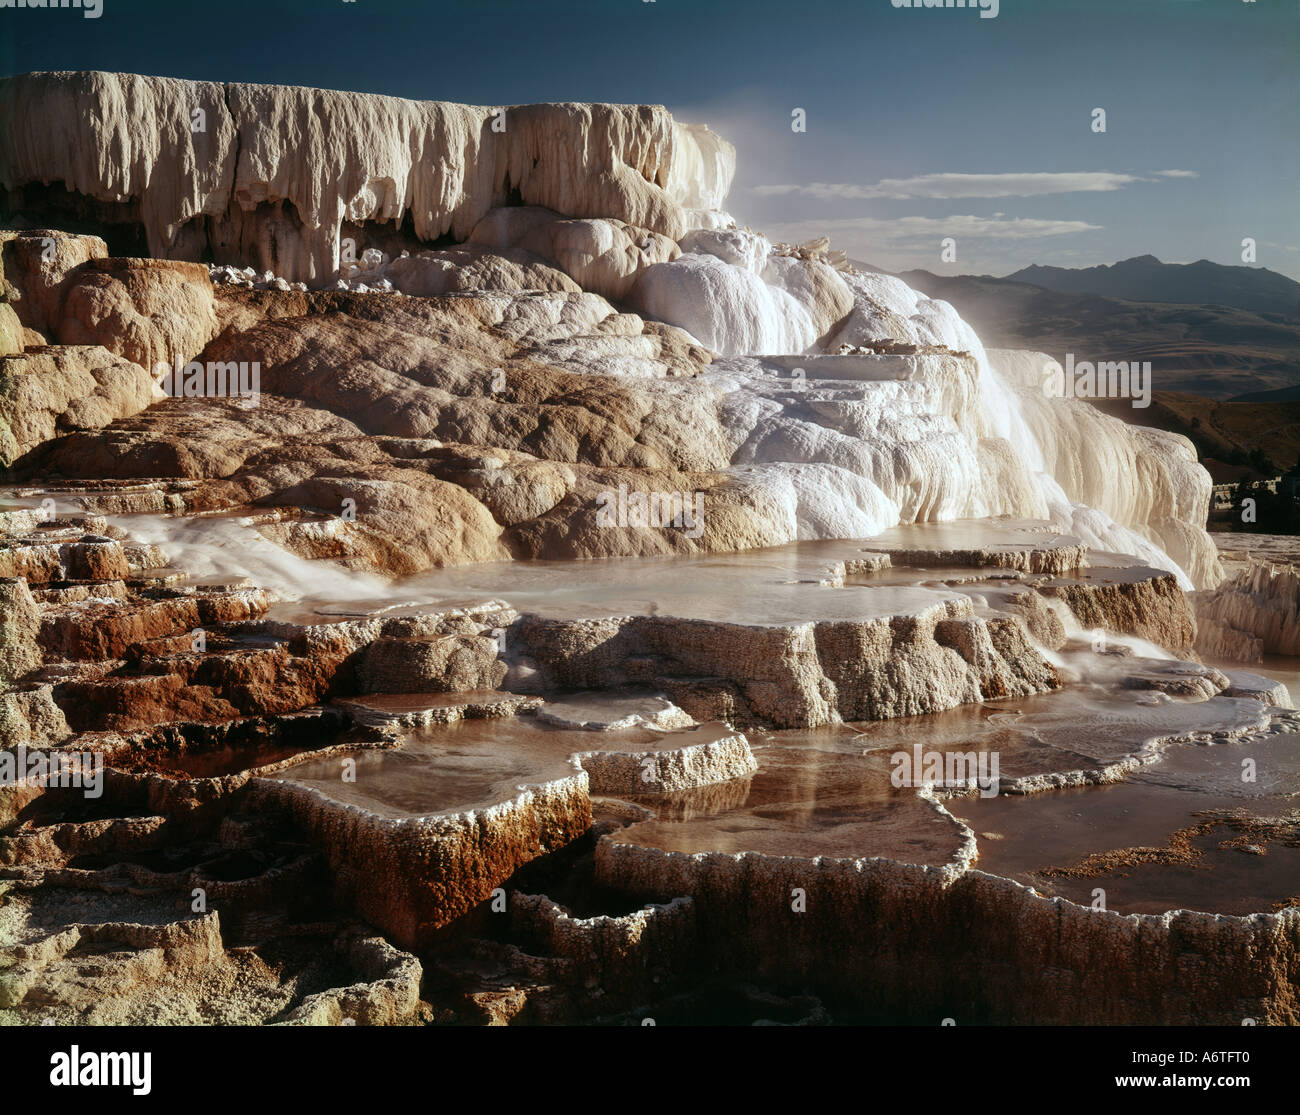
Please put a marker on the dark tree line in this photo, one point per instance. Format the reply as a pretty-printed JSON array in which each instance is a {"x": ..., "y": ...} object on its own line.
[{"x": 1273, "y": 513}]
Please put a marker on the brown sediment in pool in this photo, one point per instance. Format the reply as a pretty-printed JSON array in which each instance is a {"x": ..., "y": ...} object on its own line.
[{"x": 1253, "y": 837}]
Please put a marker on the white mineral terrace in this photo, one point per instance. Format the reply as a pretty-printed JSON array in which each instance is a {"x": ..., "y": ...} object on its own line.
[
  {"x": 1136, "y": 747},
  {"x": 919, "y": 640},
  {"x": 1128, "y": 774}
]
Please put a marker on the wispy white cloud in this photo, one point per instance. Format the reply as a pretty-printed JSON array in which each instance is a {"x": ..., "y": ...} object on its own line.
[
  {"x": 945, "y": 186},
  {"x": 855, "y": 232}
]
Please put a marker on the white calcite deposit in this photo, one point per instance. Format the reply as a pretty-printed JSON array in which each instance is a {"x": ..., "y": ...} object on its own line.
[
  {"x": 483, "y": 335},
  {"x": 1255, "y": 613},
  {"x": 839, "y": 403},
  {"x": 730, "y": 292},
  {"x": 270, "y": 173}
]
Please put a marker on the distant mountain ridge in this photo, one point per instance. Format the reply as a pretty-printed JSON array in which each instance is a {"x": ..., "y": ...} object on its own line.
[
  {"x": 1147, "y": 279},
  {"x": 1214, "y": 350}
]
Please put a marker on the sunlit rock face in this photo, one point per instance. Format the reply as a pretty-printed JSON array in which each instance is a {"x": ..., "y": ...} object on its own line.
[
  {"x": 837, "y": 404},
  {"x": 52, "y": 391},
  {"x": 329, "y": 643},
  {"x": 603, "y": 256},
  {"x": 35, "y": 272},
  {"x": 1146, "y": 481},
  {"x": 1252, "y": 615},
  {"x": 268, "y": 175},
  {"x": 735, "y": 296}
]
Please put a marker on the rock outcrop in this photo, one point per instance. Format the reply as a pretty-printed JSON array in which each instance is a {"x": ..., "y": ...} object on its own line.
[
  {"x": 349, "y": 690},
  {"x": 48, "y": 392},
  {"x": 209, "y": 169},
  {"x": 917, "y": 661},
  {"x": 147, "y": 311},
  {"x": 1256, "y": 613},
  {"x": 36, "y": 264}
]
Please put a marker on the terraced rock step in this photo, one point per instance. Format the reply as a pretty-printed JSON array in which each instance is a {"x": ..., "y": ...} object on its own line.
[
  {"x": 420, "y": 710},
  {"x": 462, "y": 806},
  {"x": 554, "y": 721},
  {"x": 638, "y": 617},
  {"x": 821, "y": 837}
]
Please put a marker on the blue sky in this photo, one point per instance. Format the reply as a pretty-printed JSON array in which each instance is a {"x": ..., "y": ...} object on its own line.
[{"x": 921, "y": 123}]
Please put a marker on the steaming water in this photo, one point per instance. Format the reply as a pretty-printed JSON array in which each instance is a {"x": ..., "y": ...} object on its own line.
[
  {"x": 775, "y": 585},
  {"x": 232, "y": 547}
]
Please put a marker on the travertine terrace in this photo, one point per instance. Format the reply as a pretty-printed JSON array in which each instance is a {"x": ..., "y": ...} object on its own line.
[{"x": 524, "y": 621}]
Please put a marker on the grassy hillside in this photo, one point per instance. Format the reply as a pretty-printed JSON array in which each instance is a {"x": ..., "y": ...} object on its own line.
[{"x": 1226, "y": 430}]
